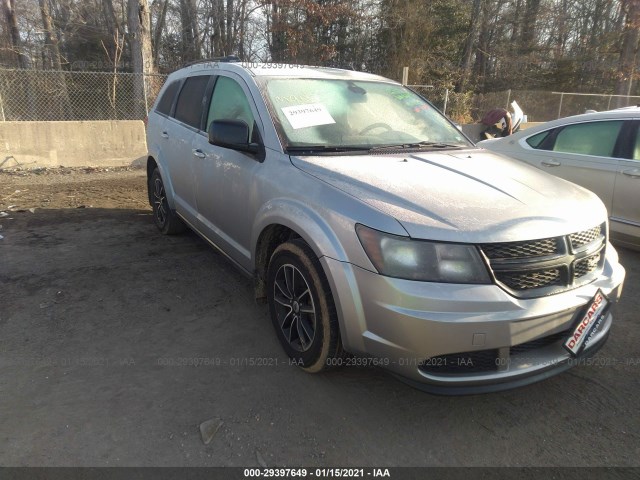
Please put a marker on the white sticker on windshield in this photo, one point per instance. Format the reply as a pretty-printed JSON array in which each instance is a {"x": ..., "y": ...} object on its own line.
[{"x": 310, "y": 115}]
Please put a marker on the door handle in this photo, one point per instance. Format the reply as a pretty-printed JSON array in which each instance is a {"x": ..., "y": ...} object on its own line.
[
  {"x": 634, "y": 173},
  {"x": 164, "y": 135},
  {"x": 198, "y": 153},
  {"x": 550, "y": 163}
]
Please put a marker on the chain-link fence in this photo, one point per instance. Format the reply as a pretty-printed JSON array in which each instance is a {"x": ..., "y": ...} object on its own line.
[
  {"x": 538, "y": 106},
  {"x": 50, "y": 95},
  {"x": 456, "y": 106},
  {"x": 542, "y": 106}
]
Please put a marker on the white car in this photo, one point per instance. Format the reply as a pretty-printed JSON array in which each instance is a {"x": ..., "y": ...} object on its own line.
[{"x": 599, "y": 151}]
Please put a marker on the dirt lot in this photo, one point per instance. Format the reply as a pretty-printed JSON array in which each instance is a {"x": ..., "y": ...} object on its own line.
[{"x": 102, "y": 320}]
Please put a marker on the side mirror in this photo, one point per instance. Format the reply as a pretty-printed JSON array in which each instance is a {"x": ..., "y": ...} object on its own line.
[{"x": 233, "y": 134}]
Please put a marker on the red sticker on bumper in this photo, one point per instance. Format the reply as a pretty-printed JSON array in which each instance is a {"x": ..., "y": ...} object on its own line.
[{"x": 588, "y": 323}]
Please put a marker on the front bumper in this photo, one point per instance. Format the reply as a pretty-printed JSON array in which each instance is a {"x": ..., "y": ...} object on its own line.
[{"x": 404, "y": 322}]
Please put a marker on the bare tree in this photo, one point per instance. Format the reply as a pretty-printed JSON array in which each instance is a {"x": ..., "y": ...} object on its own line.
[
  {"x": 118, "y": 41},
  {"x": 157, "y": 32},
  {"x": 9, "y": 8},
  {"x": 190, "y": 38},
  {"x": 629, "y": 50},
  {"x": 50, "y": 38},
  {"x": 139, "y": 23},
  {"x": 528, "y": 33},
  {"x": 469, "y": 44},
  {"x": 54, "y": 61},
  {"x": 276, "y": 27},
  {"x": 111, "y": 23},
  {"x": 110, "y": 16},
  {"x": 230, "y": 34}
]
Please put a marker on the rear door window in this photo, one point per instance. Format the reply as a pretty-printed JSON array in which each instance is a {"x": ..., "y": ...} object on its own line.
[
  {"x": 593, "y": 138},
  {"x": 191, "y": 100}
]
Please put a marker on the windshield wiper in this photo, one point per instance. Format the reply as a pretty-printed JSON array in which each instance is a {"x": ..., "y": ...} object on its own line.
[
  {"x": 323, "y": 148},
  {"x": 414, "y": 145},
  {"x": 310, "y": 149}
]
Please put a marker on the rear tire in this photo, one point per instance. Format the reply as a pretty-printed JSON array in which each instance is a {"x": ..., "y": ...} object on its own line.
[
  {"x": 163, "y": 216},
  {"x": 302, "y": 308}
]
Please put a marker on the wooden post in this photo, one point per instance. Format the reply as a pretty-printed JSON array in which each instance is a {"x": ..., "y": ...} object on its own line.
[{"x": 446, "y": 100}]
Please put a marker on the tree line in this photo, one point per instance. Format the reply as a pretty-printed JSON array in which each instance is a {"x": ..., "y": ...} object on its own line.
[{"x": 464, "y": 45}]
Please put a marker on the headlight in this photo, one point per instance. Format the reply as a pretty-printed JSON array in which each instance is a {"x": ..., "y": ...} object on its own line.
[{"x": 402, "y": 257}]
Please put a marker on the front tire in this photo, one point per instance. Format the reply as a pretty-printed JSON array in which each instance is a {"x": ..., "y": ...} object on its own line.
[
  {"x": 302, "y": 308},
  {"x": 163, "y": 216}
]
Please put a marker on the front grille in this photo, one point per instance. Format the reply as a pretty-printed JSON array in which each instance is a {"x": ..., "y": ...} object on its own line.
[
  {"x": 538, "y": 343},
  {"x": 581, "y": 239},
  {"x": 462, "y": 363},
  {"x": 529, "y": 280},
  {"x": 484, "y": 361},
  {"x": 536, "y": 248},
  {"x": 587, "y": 265},
  {"x": 550, "y": 265}
]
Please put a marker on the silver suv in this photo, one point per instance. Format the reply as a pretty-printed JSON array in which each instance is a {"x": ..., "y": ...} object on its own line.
[{"x": 373, "y": 226}]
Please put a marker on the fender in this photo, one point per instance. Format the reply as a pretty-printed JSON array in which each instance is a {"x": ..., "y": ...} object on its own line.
[
  {"x": 331, "y": 247},
  {"x": 322, "y": 239},
  {"x": 304, "y": 220},
  {"x": 327, "y": 225}
]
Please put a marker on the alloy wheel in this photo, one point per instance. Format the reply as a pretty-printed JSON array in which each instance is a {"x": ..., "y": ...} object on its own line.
[
  {"x": 160, "y": 201},
  {"x": 295, "y": 309}
]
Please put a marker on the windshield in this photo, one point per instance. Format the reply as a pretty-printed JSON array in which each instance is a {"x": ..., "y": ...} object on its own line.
[{"x": 348, "y": 114}]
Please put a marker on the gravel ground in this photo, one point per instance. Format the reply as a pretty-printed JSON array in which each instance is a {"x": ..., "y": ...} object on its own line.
[
  {"x": 60, "y": 188},
  {"x": 117, "y": 343}
]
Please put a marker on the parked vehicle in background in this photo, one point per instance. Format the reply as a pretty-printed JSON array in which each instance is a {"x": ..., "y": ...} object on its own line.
[
  {"x": 501, "y": 122},
  {"x": 600, "y": 151},
  {"x": 372, "y": 225}
]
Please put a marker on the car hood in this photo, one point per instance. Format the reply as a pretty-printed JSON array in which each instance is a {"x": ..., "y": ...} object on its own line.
[{"x": 463, "y": 195}]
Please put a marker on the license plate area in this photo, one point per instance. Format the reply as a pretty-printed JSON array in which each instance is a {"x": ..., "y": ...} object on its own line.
[{"x": 588, "y": 324}]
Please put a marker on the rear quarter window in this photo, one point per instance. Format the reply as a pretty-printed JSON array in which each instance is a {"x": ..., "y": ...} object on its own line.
[
  {"x": 166, "y": 101},
  {"x": 536, "y": 140}
]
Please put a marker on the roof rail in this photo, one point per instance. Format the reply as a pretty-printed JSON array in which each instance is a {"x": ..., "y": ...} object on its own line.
[{"x": 225, "y": 59}]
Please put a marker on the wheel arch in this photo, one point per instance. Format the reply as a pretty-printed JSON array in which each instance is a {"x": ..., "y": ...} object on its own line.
[
  {"x": 281, "y": 221},
  {"x": 152, "y": 164}
]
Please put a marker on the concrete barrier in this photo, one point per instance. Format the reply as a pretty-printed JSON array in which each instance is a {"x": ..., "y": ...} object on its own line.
[{"x": 72, "y": 144}]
